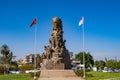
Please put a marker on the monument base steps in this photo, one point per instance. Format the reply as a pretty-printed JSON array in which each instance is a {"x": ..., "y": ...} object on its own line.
[{"x": 58, "y": 75}]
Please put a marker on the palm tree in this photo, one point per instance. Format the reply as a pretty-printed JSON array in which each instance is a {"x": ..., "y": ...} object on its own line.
[{"x": 5, "y": 50}]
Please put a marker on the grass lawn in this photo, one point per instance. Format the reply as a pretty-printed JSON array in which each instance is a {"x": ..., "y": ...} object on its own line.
[
  {"x": 15, "y": 77},
  {"x": 102, "y": 75}
]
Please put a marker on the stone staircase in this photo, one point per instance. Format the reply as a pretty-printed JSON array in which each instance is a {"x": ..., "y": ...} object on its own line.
[{"x": 58, "y": 75}]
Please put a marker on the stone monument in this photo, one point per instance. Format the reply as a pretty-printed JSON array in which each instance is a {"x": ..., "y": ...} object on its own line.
[{"x": 56, "y": 55}]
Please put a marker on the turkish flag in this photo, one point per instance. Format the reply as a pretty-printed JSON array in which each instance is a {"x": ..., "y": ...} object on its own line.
[{"x": 33, "y": 23}]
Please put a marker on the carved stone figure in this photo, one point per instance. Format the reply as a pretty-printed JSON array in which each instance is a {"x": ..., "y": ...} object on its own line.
[{"x": 56, "y": 52}]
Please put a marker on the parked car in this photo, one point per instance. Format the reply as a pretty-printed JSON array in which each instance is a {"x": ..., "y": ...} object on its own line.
[
  {"x": 110, "y": 70},
  {"x": 15, "y": 72},
  {"x": 105, "y": 69},
  {"x": 74, "y": 68},
  {"x": 116, "y": 70},
  {"x": 12, "y": 72}
]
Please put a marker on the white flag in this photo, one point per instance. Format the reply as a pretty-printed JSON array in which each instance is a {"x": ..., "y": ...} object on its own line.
[{"x": 81, "y": 21}]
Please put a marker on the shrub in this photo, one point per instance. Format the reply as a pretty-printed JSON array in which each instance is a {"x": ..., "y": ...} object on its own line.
[
  {"x": 80, "y": 73},
  {"x": 13, "y": 67},
  {"x": 26, "y": 67},
  {"x": 89, "y": 75},
  {"x": 37, "y": 74},
  {"x": 2, "y": 69},
  {"x": 87, "y": 70}
]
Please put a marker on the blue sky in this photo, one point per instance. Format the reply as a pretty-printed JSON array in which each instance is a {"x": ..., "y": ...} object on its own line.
[{"x": 102, "y": 25}]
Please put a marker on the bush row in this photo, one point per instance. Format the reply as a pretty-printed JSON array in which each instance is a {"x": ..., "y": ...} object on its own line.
[
  {"x": 80, "y": 73},
  {"x": 26, "y": 67}
]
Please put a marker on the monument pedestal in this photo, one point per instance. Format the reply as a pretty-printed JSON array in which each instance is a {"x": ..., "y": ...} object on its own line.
[{"x": 49, "y": 65}]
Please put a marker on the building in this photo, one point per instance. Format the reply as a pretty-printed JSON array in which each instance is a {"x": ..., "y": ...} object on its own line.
[
  {"x": 20, "y": 62},
  {"x": 29, "y": 59},
  {"x": 71, "y": 55}
]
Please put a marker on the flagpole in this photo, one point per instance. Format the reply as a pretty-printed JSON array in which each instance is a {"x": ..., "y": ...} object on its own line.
[
  {"x": 83, "y": 49},
  {"x": 35, "y": 40}
]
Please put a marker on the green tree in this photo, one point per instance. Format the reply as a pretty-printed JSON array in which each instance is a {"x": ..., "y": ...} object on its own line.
[
  {"x": 112, "y": 63},
  {"x": 5, "y": 50},
  {"x": 38, "y": 60},
  {"x": 7, "y": 55},
  {"x": 118, "y": 64},
  {"x": 14, "y": 65},
  {"x": 88, "y": 58},
  {"x": 100, "y": 64},
  {"x": 6, "y": 58}
]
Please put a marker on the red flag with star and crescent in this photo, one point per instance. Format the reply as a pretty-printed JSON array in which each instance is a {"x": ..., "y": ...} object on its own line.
[{"x": 33, "y": 23}]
